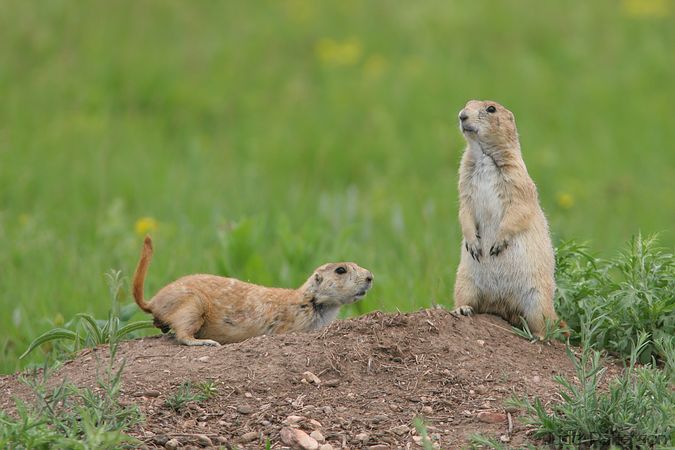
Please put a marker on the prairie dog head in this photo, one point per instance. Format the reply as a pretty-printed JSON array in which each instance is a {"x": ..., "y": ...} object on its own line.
[
  {"x": 338, "y": 283},
  {"x": 488, "y": 124}
]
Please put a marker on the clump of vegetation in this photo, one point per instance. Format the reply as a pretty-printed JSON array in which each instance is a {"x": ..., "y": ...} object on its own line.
[
  {"x": 70, "y": 417},
  {"x": 188, "y": 393},
  {"x": 85, "y": 331},
  {"x": 553, "y": 330},
  {"x": 423, "y": 433},
  {"x": 623, "y": 297},
  {"x": 638, "y": 409}
]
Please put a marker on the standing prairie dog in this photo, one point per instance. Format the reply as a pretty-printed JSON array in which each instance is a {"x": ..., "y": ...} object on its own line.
[
  {"x": 507, "y": 263},
  {"x": 214, "y": 310}
]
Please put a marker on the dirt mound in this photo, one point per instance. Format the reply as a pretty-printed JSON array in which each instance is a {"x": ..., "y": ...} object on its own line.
[{"x": 377, "y": 373}]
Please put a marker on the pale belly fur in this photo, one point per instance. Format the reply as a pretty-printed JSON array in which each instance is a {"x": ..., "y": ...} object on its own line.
[{"x": 507, "y": 274}]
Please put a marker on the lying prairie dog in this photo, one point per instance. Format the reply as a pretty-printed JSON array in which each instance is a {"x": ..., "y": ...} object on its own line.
[{"x": 213, "y": 310}]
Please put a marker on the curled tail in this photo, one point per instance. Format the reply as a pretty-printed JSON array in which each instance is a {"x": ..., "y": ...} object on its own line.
[{"x": 139, "y": 275}]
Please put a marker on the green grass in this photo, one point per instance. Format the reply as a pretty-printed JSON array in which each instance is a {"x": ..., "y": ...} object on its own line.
[{"x": 265, "y": 138}]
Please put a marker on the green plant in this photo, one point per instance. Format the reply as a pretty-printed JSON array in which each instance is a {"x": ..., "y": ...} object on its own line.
[
  {"x": 625, "y": 296},
  {"x": 422, "y": 432},
  {"x": 636, "y": 411},
  {"x": 71, "y": 417},
  {"x": 185, "y": 394},
  {"x": 481, "y": 441},
  {"x": 553, "y": 330},
  {"x": 208, "y": 389},
  {"x": 85, "y": 330}
]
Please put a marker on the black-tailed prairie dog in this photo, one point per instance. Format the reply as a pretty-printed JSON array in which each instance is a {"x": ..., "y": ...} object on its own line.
[
  {"x": 213, "y": 310},
  {"x": 507, "y": 262}
]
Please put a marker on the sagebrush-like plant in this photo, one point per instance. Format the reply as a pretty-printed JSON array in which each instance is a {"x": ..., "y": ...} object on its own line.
[
  {"x": 636, "y": 411},
  {"x": 625, "y": 296},
  {"x": 70, "y": 417}
]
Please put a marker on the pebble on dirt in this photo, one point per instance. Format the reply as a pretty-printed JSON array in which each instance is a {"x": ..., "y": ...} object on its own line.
[{"x": 298, "y": 439}]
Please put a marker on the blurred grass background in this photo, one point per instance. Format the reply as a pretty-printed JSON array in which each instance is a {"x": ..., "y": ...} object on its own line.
[{"x": 261, "y": 139}]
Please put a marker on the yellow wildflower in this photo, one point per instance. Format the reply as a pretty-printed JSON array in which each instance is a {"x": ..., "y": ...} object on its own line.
[
  {"x": 145, "y": 225},
  {"x": 645, "y": 8},
  {"x": 338, "y": 53},
  {"x": 565, "y": 200}
]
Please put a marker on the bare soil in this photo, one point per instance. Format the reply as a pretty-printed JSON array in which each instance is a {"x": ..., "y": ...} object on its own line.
[{"x": 377, "y": 374}]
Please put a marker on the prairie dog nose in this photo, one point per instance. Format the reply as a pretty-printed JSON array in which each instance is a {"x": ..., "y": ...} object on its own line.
[
  {"x": 463, "y": 115},
  {"x": 369, "y": 277}
]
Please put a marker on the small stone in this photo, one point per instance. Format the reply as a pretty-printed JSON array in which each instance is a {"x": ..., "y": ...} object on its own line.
[
  {"x": 204, "y": 440},
  {"x": 315, "y": 424},
  {"x": 187, "y": 424},
  {"x": 248, "y": 395},
  {"x": 148, "y": 393},
  {"x": 491, "y": 417},
  {"x": 171, "y": 444},
  {"x": 331, "y": 383},
  {"x": 511, "y": 409},
  {"x": 317, "y": 436},
  {"x": 400, "y": 430},
  {"x": 379, "y": 418},
  {"x": 161, "y": 439},
  {"x": 472, "y": 392},
  {"x": 504, "y": 438},
  {"x": 245, "y": 409},
  {"x": 480, "y": 342},
  {"x": 292, "y": 420},
  {"x": 296, "y": 438},
  {"x": 328, "y": 410},
  {"x": 222, "y": 440},
  {"x": 427, "y": 410},
  {"x": 203, "y": 359},
  {"x": 309, "y": 377},
  {"x": 326, "y": 447},
  {"x": 363, "y": 437},
  {"x": 248, "y": 437},
  {"x": 536, "y": 379}
]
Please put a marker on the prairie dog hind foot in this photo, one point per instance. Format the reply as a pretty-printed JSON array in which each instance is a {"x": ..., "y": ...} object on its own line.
[{"x": 464, "y": 310}]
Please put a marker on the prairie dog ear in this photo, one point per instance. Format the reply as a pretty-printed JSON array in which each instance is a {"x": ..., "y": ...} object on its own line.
[{"x": 318, "y": 278}]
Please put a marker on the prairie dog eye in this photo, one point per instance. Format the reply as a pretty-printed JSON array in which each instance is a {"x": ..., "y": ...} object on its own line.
[
  {"x": 340, "y": 270},
  {"x": 491, "y": 109}
]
